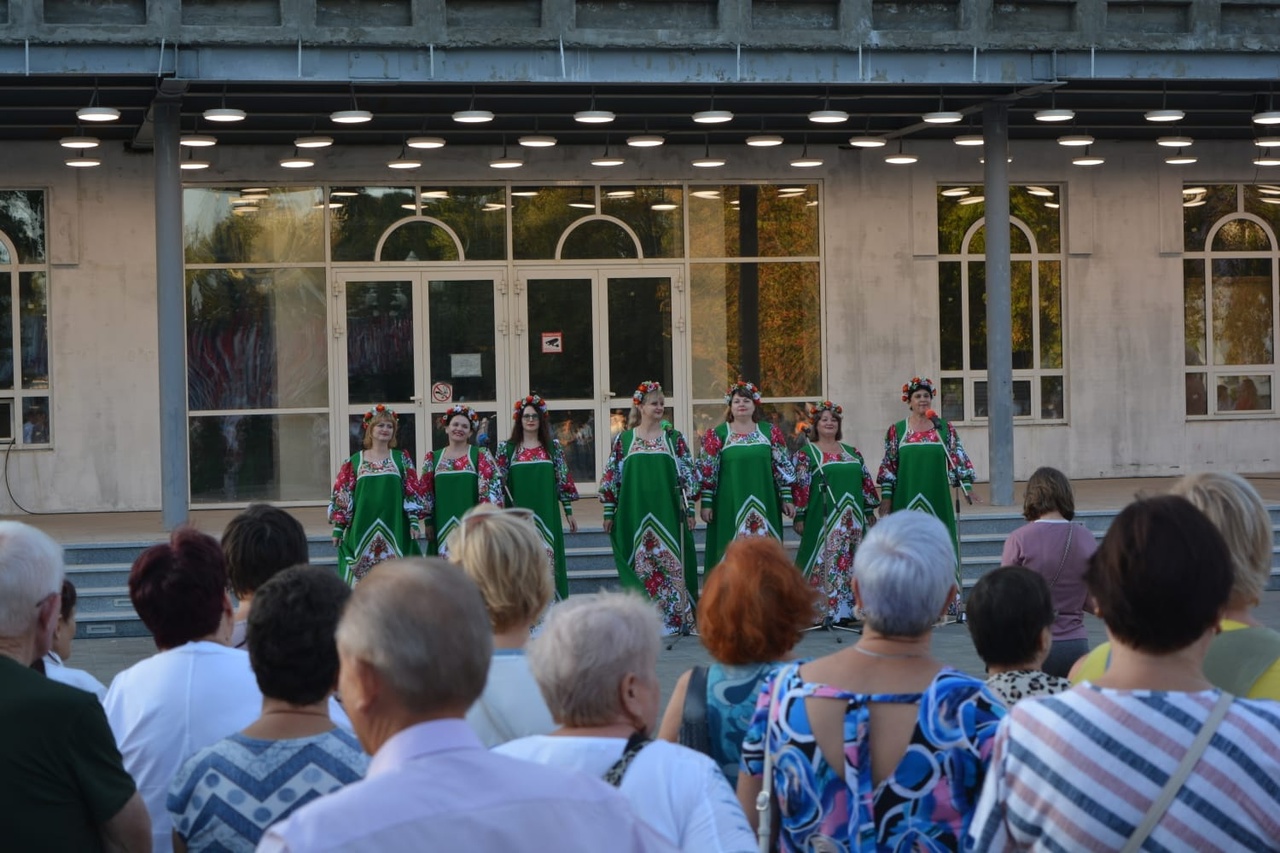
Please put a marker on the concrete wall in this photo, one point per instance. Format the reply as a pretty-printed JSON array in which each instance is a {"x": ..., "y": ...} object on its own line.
[{"x": 1123, "y": 312}]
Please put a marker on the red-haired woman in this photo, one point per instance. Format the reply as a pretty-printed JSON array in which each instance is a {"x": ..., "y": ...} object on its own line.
[
  {"x": 459, "y": 476},
  {"x": 378, "y": 504},
  {"x": 835, "y": 502},
  {"x": 536, "y": 476},
  {"x": 753, "y": 612},
  {"x": 746, "y": 475}
]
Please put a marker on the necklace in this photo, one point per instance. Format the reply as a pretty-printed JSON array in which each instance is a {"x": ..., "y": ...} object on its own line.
[{"x": 865, "y": 651}]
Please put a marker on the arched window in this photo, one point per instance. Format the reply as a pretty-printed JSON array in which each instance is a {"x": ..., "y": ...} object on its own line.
[
  {"x": 24, "y": 319},
  {"x": 1229, "y": 275},
  {"x": 1039, "y": 384}
]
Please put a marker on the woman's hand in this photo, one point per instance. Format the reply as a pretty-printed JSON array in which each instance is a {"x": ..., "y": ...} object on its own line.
[
  {"x": 692, "y": 521},
  {"x": 789, "y": 509},
  {"x": 429, "y": 533},
  {"x": 573, "y": 524},
  {"x": 337, "y": 540},
  {"x": 608, "y": 525},
  {"x": 883, "y": 509},
  {"x": 415, "y": 533},
  {"x": 707, "y": 514},
  {"x": 798, "y": 526}
]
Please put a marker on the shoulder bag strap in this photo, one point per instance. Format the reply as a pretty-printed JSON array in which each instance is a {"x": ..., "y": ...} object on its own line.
[
  {"x": 1071, "y": 528},
  {"x": 764, "y": 800},
  {"x": 635, "y": 743},
  {"x": 694, "y": 731},
  {"x": 1179, "y": 777}
]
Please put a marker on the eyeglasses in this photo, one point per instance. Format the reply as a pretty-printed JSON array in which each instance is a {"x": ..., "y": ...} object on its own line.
[
  {"x": 55, "y": 594},
  {"x": 531, "y": 417}
]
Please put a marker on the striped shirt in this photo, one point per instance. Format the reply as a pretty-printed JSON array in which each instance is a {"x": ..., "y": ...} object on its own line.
[{"x": 1078, "y": 771}]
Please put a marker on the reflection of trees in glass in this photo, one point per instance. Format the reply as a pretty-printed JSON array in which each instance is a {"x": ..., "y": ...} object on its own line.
[
  {"x": 1219, "y": 200},
  {"x": 476, "y": 214},
  {"x": 1242, "y": 311},
  {"x": 6, "y": 330},
  {"x": 748, "y": 220},
  {"x": 419, "y": 241},
  {"x": 280, "y": 225},
  {"x": 598, "y": 238},
  {"x": 22, "y": 221},
  {"x": 1193, "y": 318},
  {"x": 956, "y": 214},
  {"x": 33, "y": 323},
  {"x": 660, "y": 230},
  {"x": 537, "y": 221},
  {"x": 1240, "y": 235},
  {"x": 356, "y": 227}
]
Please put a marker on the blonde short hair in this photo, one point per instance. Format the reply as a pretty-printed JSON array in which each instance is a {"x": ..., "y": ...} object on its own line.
[
  {"x": 1237, "y": 511},
  {"x": 502, "y": 551}
]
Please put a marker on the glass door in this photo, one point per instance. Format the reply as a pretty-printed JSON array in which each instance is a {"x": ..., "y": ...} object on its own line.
[
  {"x": 418, "y": 342},
  {"x": 591, "y": 336}
]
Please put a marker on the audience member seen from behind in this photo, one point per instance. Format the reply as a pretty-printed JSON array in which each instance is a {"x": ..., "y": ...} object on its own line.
[
  {"x": 258, "y": 543},
  {"x": 502, "y": 552},
  {"x": 1058, "y": 549},
  {"x": 414, "y": 644},
  {"x": 1010, "y": 616},
  {"x": 1245, "y": 658},
  {"x": 1087, "y": 765},
  {"x": 753, "y": 612},
  {"x": 879, "y": 740},
  {"x": 226, "y": 795},
  {"x": 55, "y": 659},
  {"x": 62, "y": 782},
  {"x": 197, "y": 689},
  {"x": 597, "y": 664}
]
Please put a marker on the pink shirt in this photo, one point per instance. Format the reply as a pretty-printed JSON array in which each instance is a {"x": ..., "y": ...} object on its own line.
[{"x": 1039, "y": 546}]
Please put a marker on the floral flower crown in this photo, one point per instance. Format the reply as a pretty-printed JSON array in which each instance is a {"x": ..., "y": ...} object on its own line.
[
  {"x": 915, "y": 385},
  {"x": 455, "y": 410},
  {"x": 644, "y": 390},
  {"x": 377, "y": 412},
  {"x": 825, "y": 406},
  {"x": 528, "y": 400},
  {"x": 742, "y": 388}
]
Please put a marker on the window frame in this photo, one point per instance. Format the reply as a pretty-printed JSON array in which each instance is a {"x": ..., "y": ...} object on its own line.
[{"x": 17, "y": 397}]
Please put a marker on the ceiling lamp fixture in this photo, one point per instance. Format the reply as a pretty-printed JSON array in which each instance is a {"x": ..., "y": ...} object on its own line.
[
  {"x": 404, "y": 161},
  {"x": 827, "y": 116},
  {"x": 83, "y": 162},
  {"x": 471, "y": 115},
  {"x": 607, "y": 159},
  {"x": 900, "y": 157},
  {"x": 1267, "y": 117},
  {"x": 224, "y": 113},
  {"x": 1076, "y": 140},
  {"x": 804, "y": 161},
  {"x": 645, "y": 140},
  {"x": 1164, "y": 115},
  {"x": 313, "y": 142},
  {"x": 1267, "y": 141},
  {"x": 1180, "y": 159},
  {"x": 197, "y": 140},
  {"x": 191, "y": 164},
  {"x": 713, "y": 115},
  {"x": 1087, "y": 159},
  {"x": 867, "y": 141},
  {"x": 706, "y": 161},
  {"x": 350, "y": 116},
  {"x": 424, "y": 142},
  {"x": 505, "y": 162},
  {"x": 968, "y": 139},
  {"x": 942, "y": 115},
  {"x": 537, "y": 141},
  {"x": 764, "y": 140},
  {"x": 297, "y": 161},
  {"x": 1054, "y": 113},
  {"x": 95, "y": 111},
  {"x": 593, "y": 115},
  {"x": 1174, "y": 141},
  {"x": 80, "y": 142},
  {"x": 1266, "y": 160}
]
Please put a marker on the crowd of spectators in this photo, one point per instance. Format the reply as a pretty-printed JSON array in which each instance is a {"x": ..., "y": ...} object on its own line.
[{"x": 442, "y": 706}]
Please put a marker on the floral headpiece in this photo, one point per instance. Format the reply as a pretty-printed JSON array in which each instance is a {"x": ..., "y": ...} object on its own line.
[
  {"x": 743, "y": 388},
  {"x": 528, "y": 400},
  {"x": 915, "y": 385},
  {"x": 644, "y": 390},
  {"x": 377, "y": 412},
  {"x": 816, "y": 410},
  {"x": 459, "y": 409}
]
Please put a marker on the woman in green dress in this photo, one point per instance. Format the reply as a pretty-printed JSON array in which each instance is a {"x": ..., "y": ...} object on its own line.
[
  {"x": 835, "y": 500},
  {"x": 536, "y": 476},
  {"x": 378, "y": 503},
  {"x": 746, "y": 475},
  {"x": 923, "y": 459},
  {"x": 460, "y": 476},
  {"x": 648, "y": 482}
]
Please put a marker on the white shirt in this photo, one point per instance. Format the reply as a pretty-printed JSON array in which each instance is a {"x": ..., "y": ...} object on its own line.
[
  {"x": 164, "y": 709},
  {"x": 54, "y": 668},
  {"x": 511, "y": 705},
  {"x": 679, "y": 792},
  {"x": 433, "y": 786}
]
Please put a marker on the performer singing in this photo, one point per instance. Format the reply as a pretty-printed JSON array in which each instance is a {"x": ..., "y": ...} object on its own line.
[
  {"x": 536, "y": 476},
  {"x": 835, "y": 498},
  {"x": 922, "y": 458},
  {"x": 460, "y": 476},
  {"x": 746, "y": 475},
  {"x": 378, "y": 504},
  {"x": 648, "y": 482}
]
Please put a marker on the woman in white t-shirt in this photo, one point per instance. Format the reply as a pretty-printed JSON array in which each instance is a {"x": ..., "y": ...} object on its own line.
[
  {"x": 596, "y": 662},
  {"x": 55, "y": 659}
]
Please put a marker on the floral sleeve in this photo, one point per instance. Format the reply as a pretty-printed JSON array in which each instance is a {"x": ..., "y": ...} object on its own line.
[
  {"x": 503, "y": 458},
  {"x": 611, "y": 480},
  {"x": 709, "y": 467},
  {"x": 415, "y": 502},
  {"x": 962, "y": 474},
  {"x": 342, "y": 504},
  {"x": 686, "y": 471},
  {"x": 489, "y": 486},
  {"x": 870, "y": 500},
  {"x": 784, "y": 474},
  {"x": 427, "y": 485},
  {"x": 804, "y": 481},
  {"x": 888, "y": 476},
  {"x": 566, "y": 489}
]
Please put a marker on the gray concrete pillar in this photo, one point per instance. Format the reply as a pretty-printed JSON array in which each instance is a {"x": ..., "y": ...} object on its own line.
[
  {"x": 995, "y": 135},
  {"x": 171, "y": 355}
]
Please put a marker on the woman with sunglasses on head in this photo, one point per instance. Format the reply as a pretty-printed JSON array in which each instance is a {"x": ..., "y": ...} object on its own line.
[
  {"x": 459, "y": 476},
  {"x": 536, "y": 476},
  {"x": 835, "y": 503},
  {"x": 379, "y": 506},
  {"x": 647, "y": 484}
]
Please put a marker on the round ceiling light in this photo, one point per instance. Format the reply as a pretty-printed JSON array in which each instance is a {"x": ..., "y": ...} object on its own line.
[
  {"x": 297, "y": 161},
  {"x": 1075, "y": 140},
  {"x": 1164, "y": 115},
  {"x": 713, "y": 116},
  {"x": 1266, "y": 160},
  {"x": 79, "y": 142},
  {"x": 828, "y": 116},
  {"x": 537, "y": 141},
  {"x": 1267, "y": 141},
  {"x": 403, "y": 162},
  {"x": 708, "y": 162},
  {"x": 942, "y": 117},
  {"x": 867, "y": 141},
  {"x": 98, "y": 114},
  {"x": 607, "y": 160},
  {"x": 224, "y": 114},
  {"x": 313, "y": 142},
  {"x": 424, "y": 142},
  {"x": 900, "y": 158},
  {"x": 350, "y": 116},
  {"x": 593, "y": 116},
  {"x": 506, "y": 163},
  {"x": 1174, "y": 141},
  {"x": 197, "y": 140},
  {"x": 1180, "y": 159},
  {"x": 83, "y": 162},
  {"x": 1087, "y": 159},
  {"x": 806, "y": 161},
  {"x": 765, "y": 140},
  {"x": 968, "y": 139},
  {"x": 1055, "y": 114},
  {"x": 472, "y": 116},
  {"x": 193, "y": 165},
  {"x": 1268, "y": 117},
  {"x": 645, "y": 140}
]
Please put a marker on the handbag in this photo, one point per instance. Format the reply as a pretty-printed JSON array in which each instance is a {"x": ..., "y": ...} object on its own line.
[
  {"x": 694, "y": 731},
  {"x": 1179, "y": 777},
  {"x": 764, "y": 799}
]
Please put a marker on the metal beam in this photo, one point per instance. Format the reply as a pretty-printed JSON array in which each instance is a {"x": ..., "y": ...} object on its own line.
[{"x": 995, "y": 135}]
